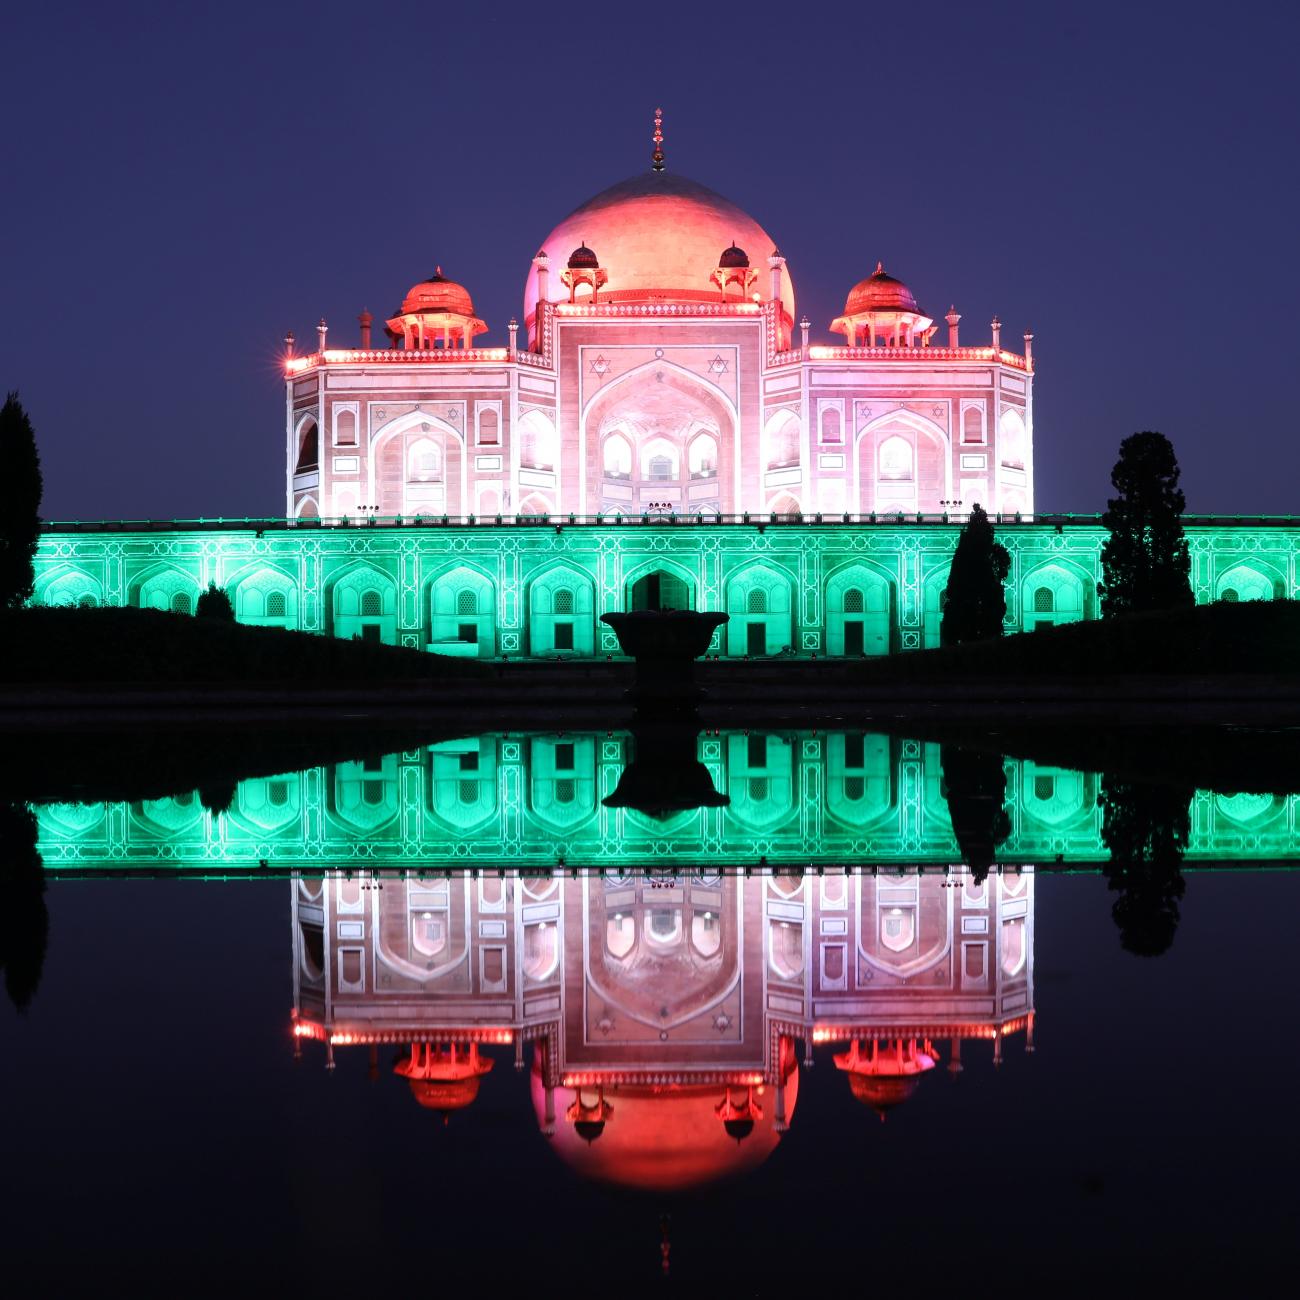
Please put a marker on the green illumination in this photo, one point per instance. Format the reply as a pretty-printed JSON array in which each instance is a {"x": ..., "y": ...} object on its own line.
[
  {"x": 484, "y": 590},
  {"x": 528, "y": 801}
]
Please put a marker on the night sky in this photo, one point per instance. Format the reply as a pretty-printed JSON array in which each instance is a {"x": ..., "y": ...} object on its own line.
[{"x": 181, "y": 184}]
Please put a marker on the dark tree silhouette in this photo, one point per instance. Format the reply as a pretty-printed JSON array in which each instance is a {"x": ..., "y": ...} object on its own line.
[
  {"x": 976, "y": 603},
  {"x": 20, "y": 504},
  {"x": 24, "y": 920},
  {"x": 215, "y": 604},
  {"x": 217, "y": 795},
  {"x": 975, "y": 785},
  {"x": 1145, "y": 827},
  {"x": 1144, "y": 561}
]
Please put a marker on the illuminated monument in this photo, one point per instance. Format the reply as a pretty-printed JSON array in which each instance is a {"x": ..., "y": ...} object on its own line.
[
  {"x": 663, "y": 369},
  {"x": 661, "y": 432},
  {"x": 659, "y": 1013},
  {"x": 541, "y": 802}
]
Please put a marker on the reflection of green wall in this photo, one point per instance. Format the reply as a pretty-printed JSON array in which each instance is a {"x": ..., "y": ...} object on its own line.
[
  {"x": 495, "y": 802},
  {"x": 804, "y": 572}
]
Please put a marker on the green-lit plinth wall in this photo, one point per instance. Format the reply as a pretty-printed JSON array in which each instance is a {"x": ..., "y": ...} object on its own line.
[
  {"x": 540, "y": 588},
  {"x": 534, "y": 801}
]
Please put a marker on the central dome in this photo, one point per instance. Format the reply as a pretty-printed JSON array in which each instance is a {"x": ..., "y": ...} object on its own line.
[{"x": 658, "y": 236}]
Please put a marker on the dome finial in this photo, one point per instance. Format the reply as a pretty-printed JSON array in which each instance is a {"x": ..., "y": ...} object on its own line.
[{"x": 657, "y": 158}]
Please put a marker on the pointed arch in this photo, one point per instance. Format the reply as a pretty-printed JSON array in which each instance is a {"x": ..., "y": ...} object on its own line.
[
  {"x": 561, "y": 611},
  {"x": 463, "y": 613},
  {"x": 70, "y": 586},
  {"x": 264, "y": 596},
  {"x": 760, "y": 602},
  {"x": 388, "y": 467},
  {"x": 362, "y": 600},
  {"x": 859, "y": 610},
  {"x": 1054, "y": 592},
  {"x": 644, "y": 582},
  {"x": 697, "y": 406},
  {"x": 930, "y": 479},
  {"x": 539, "y": 441},
  {"x": 1249, "y": 581},
  {"x": 165, "y": 587}
]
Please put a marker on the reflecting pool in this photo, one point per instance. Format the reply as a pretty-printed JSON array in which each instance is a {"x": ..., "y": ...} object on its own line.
[{"x": 648, "y": 1010}]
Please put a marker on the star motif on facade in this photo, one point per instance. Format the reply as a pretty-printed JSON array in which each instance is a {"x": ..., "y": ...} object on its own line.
[
  {"x": 718, "y": 365},
  {"x": 601, "y": 366},
  {"x": 936, "y": 411}
]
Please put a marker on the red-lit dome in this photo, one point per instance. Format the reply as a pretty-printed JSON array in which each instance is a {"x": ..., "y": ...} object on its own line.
[
  {"x": 665, "y": 1139},
  {"x": 583, "y": 259},
  {"x": 883, "y": 1075},
  {"x": 445, "y": 1094},
  {"x": 659, "y": 236},
  {"x": 444, "y": 1077},
  {"x": 438, "y": 294},
  {"x": 883, "y": 1092},
  {"x": 880, "y": 292},
  {"x": 733, "y": 258}
]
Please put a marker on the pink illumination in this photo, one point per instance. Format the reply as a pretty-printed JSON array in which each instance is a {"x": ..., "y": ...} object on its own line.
[{"x": 659, "y": 236}]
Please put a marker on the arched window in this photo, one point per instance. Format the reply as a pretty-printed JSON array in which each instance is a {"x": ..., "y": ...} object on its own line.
[
  {"x": 564, "y": 601},
  {"x": 372, "y": 605},
  {"x": 1230, "y": 595},
  {"x": 537, "y": 441},
  {"x": 659, "y": 461},
  {"x": 345, "y": 428},
  {"x": 832, "y": 424},
  {"x": 853, "y": 601},
  {"x": 181, "y": 603},
  {"x": 1044, "y": 601},
  {"x": 972, "y": 424},
  {"x": 308, "y": 447},
  {"x": 466, "y": 602},
  {"x": 617, "y": 457},
  {"x": 896, "y": 458},
  {"x": 703, "y": 457},
  {"x": 783, "y": 445},
  {"x": 1011, "y": 439},
  {"x": 756, "y": 602},
  {"x": 489, "y": 424},
  {"x": 276, "y": 606},
  {"x": 425, "y": 461},
  {"x": 86, "y": 602}
]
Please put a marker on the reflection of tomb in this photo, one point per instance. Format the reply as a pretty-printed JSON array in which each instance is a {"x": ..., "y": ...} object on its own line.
[
  {"x": 729, "y": 798},
  {"x": 657, "y": 1012}
]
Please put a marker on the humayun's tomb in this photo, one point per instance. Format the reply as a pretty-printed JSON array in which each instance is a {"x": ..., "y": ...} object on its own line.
[{"x": 662, "y": 432}]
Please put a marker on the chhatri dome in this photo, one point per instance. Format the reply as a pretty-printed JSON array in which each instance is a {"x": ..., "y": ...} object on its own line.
[{"x": 658, "y": 236}]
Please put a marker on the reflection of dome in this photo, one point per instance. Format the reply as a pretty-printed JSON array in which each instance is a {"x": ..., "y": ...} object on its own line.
[
  {"x": 438, "y": 294},
  {"x": 668, "y": 1137},
  {"x": 659, "y": 236},
  {"x": 445, "y": 1094},
  {"x": 444, "y": 1078},
  {"x": 733, "y": 258},
  {"x": 880, "y": 292},
  {"x": 883, "y": 1092},
  {"x": 884, "y": 1075},
  {"x": 583, "y": 259}
]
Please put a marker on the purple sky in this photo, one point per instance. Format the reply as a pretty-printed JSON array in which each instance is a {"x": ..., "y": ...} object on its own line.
[{"x": 181, "y": 184}]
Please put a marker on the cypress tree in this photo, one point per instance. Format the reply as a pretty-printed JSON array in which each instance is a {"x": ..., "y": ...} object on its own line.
[
  {"x": 1144, "y": 561},
  {"x": 215, "y": 604},
  {"x": 976, "y": 603},
  {"x": 20, "y": 504}
]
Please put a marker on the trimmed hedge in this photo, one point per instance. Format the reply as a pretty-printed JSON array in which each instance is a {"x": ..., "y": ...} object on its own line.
[{"x": 72, "y": 647}]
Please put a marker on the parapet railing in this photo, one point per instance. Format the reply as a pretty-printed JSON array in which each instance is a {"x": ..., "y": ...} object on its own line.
[
  {"x": 825, "y": 352},
  {"x": 649, "y": 519}
]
